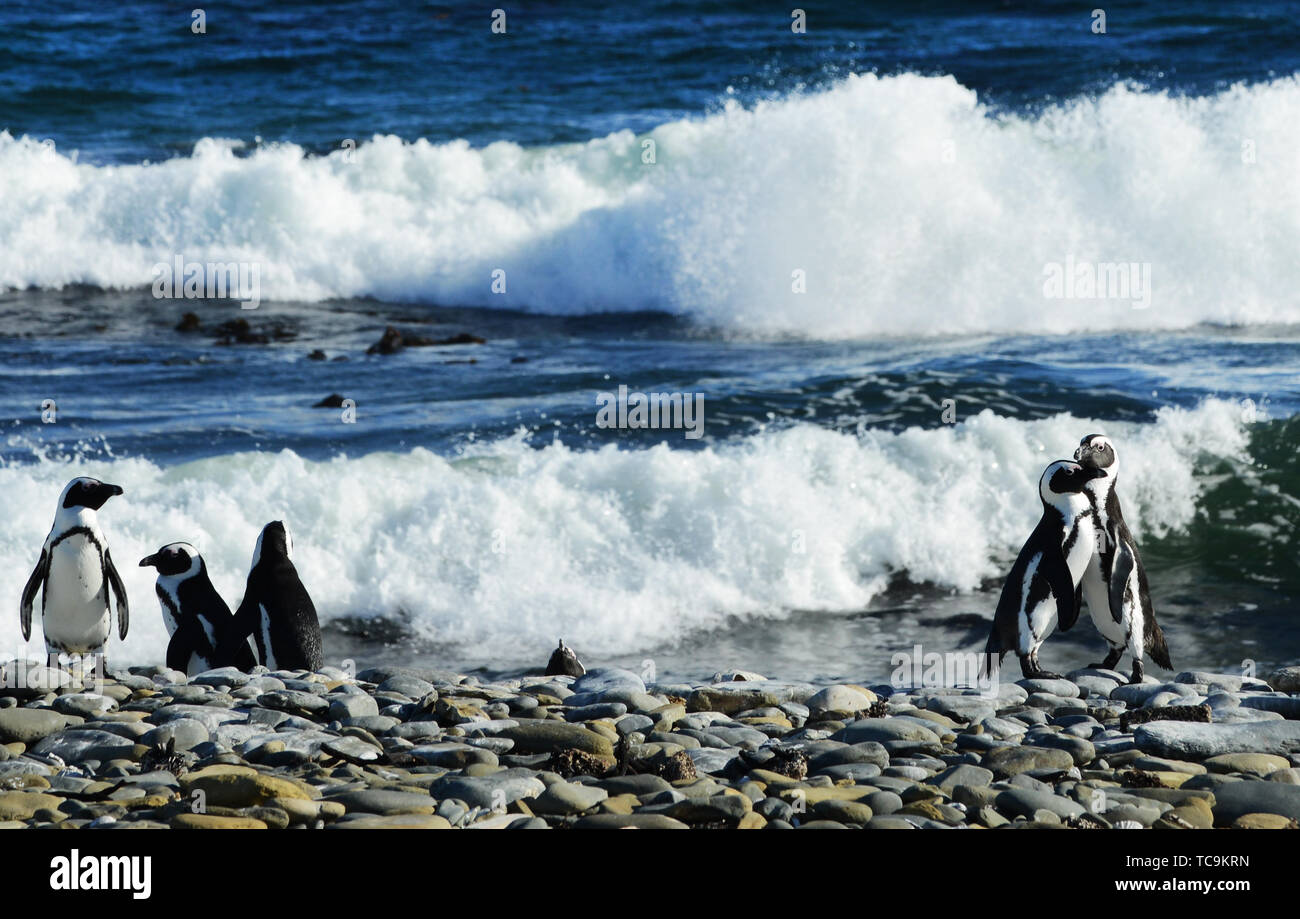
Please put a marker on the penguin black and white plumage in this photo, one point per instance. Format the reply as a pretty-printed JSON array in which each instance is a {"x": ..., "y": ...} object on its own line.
[
  {"x": 276, "y": 610},
  {"x": 1115, "y": 582},
  {"x": 75, "y": 574},
  {"x": 197, "y": 619},
  {"x": 564, "y": 662},
  {"x": 1042, "y": 590}
]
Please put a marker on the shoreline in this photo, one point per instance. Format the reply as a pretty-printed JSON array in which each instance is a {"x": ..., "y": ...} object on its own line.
[{"x": 424, "y": 748}]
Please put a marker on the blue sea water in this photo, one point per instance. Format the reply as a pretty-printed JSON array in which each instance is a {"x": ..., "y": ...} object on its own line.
[{"x": 842, "y": 239}]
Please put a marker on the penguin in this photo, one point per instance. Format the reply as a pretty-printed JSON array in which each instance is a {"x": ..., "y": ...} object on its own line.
[
  {"x": 276, "y": 609},
  {"x": 564, "y": 662},
  {"x": 1042, "y": 590},
  {"x": 75, "y": 573},
  {"x": 1115, "y": 582},
  {"x": 197, "y": 619}
]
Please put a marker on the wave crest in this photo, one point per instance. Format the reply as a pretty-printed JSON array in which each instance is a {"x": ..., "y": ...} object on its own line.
[
  {"x": 502, "y": 550},
  {"x": 909, "y": 207}
]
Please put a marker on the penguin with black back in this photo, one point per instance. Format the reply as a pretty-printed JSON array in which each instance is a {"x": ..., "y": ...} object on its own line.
[{"x": 276, "y": 610}]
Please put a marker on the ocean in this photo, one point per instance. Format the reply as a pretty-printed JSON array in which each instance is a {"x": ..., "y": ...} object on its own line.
[{"x": 901, "y": 260}]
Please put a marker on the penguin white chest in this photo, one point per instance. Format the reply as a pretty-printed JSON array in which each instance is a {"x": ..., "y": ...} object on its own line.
[
  {"x": 76, "y": 596},
  {"x": 1080, "y": 552},
  {"x": 1096, "y": 592}
]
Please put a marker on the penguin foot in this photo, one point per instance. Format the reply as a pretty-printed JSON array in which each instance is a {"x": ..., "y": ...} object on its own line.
[
  {"x": 1111, "y": 660},
  {"x": 1032, "y": 671},
  {"x": 1137, "y": 673}
]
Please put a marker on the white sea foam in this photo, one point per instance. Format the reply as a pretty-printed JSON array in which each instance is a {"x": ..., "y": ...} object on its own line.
[
  {"x": 851, "y": 185},
  {"x": 505, "y": 550}
]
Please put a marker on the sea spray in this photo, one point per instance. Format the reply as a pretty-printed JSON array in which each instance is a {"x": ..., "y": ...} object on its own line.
[
  {"x": 501, "y": 549},
  {"x": 904, "y": 204}
]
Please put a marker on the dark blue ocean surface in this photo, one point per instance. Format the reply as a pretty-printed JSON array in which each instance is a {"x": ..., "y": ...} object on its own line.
[{"x": 133, "y": 81}]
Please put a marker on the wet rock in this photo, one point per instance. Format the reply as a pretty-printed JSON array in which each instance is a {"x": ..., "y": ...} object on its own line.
[
  {"x": 1008, "y": 761},
  {"x": 333, "y": 400},
  {"x": 564, "y": 662},
  {"x": 564, "y": 798},
  {"x": 29, "y": 725},
  {"x": 1237, "y": 799},
  {"x": 1195, "y": 741}
]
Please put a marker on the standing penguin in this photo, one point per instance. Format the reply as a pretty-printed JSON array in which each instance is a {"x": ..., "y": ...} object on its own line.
[
  {"x": 1115, "y": 583},
  {"x": 1042, "y": 589},
  {"x": 564, "y": 662},
  {"x": 276, "y": 609},
  {"x": 75, "y": 573},
  {"x": 196, "y": 617}
]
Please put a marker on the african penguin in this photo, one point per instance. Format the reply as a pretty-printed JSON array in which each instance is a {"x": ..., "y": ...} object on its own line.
[
  {"x": 1115, "y": 583},
  {"x": 276, "y": 609},
  {"x": 75, "y": 573},
  {"x": 1042, "y": 590},
  {"x": 564, "y": 662},
  {"x": 196, "y": 617}
]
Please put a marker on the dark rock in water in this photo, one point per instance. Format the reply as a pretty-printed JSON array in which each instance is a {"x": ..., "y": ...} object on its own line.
[
  {"x": 394, "y": 340},
  {"x": 464, "y": 338},
  {"x": 389, "y": 343},
  {"x": 564, "y": 662},
  {"x": 240, "y": 332},
  {"x": 189, "y": 323},
  {"x": 472, "y": 360},
  {"x": 520, "y": 359},
  {"x": 333, "y": 400},
  {"x": 316, "y": 355}
]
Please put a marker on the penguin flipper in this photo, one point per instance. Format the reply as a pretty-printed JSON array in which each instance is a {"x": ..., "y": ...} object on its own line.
[
  {"x": 1064, "y": 622},
  {"x": 1057, "y": 574},
  {"x": 119, "y": 591},
  {"x": 181, "y": 646},
  {"x": 29, "y": 593},
  {"x": 234, "y": 646},
  {"x": 1121, "y": 570},
  {"x": 245, "y": 656}
]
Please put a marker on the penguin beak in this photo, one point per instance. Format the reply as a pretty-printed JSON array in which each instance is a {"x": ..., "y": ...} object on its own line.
[
  {"x": 101, "y": 493},
  {"x": 149, "y": 561}
]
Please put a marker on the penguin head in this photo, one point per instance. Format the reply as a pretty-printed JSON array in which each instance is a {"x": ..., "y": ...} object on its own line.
[
  {"x": 1096, "y": 451},
  {"x": 178, "y": 558},
  {"x": 1063, "y": 481},
  {"x": 564, "y": 662},
  {"x": 86, "y": 492},
  {"x": 274, "y": 541}
]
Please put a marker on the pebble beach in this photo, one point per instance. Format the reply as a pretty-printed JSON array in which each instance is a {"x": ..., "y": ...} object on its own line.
[{"x": 395, "y": 747}]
